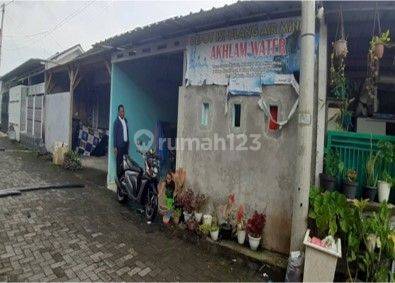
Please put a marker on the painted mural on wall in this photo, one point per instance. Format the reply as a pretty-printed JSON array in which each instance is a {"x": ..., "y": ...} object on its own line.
[{"x": 242, "y": 56}]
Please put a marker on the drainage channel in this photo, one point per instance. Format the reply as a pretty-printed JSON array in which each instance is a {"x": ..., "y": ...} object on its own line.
[{"x": 18, "y": 191}]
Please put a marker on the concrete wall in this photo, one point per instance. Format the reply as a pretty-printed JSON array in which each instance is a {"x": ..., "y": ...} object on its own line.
[
  {"x": 143, "y": 109},
  {"x": 17, "y": 100},
  {"x": 57, "y": 117},
  {"x": 262, "y": 180}
]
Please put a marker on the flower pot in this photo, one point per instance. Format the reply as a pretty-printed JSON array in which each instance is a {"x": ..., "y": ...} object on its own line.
[
  {"x": 198, "y": 216},
  {"x": 350, "y": 189},
  {"x": 384, "y": 191},
  {"x": 320, "y": 262},
  {"x": 379, "y": 50},
  {"x": 340, "y": 48},
  {"x": 214, "y": 235},
  {"x": 241, "y": 236},
  {"x": 328, "y": 183},
  {"x": 370, "y": 192},
  {"x": 187, "y": 216},
  {"x": 254, "y": 242},
  {"x": 207, "y": 219},
  {"x": 225, "y": 230},
  {"x": 166, "y": 219}
]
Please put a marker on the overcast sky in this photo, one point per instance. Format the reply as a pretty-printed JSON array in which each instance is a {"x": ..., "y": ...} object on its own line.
[{"x": 38, "y": 29}]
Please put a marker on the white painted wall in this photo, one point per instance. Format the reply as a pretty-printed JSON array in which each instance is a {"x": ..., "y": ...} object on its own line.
[
  {"x": 17, "y": 96},
  {"x": 57, "y": 118}
]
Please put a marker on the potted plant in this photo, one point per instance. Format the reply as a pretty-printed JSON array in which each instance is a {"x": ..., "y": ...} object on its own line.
[
  {"x": 386, "y": 156},
  {"x": 350, "y": 184},
  {"x": 371, "y": 176},
  {"x": 214, "y": 230},
  {"x": 199, "y": 202},
  {"x": 241, "y": 233},
  {"x": 204, "y": 229},
  {"x": 333, "y": 166},
  {"x": 186, "y": 199},
  {"x": 192, "y": 225},
  {"x": 377, "y": 43},
  {"x": 228, "y": 215},
  {"x": 340, "y": 48},
  {"x": 322, "y": 249},
  {"x": 255, "y": 227},
  {"x": 176, "y": 215},
  {"x": 207, "y": 219}
]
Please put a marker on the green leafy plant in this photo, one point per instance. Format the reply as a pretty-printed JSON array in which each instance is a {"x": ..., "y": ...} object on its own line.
[
  {"x": 371, "y": 170},
  {"x": 72, "y": 161},
  {"x": 351, "y": 176},
  {"x": 204, "y": 229},
  {"x": 214, "y": 225},
  {"x": 383, "y": 38},
  {"x": 386, "y": 156},
  {"x": 328, "y": 210},
  {"x": 333, "y": 166}
]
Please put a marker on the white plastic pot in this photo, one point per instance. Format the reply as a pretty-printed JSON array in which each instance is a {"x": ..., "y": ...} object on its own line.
[
  {"x": 320, "y": 262},
  {"x": 214, "y": 235},
  {"x": 241, "y": 236},
  {"x": 207, "y": 219},
  {"x": 187, "y": 216},
  {"x": 254, "y": 242},
  {"x": 198, "y": 216},
  {"x": 384, "y": 191}
]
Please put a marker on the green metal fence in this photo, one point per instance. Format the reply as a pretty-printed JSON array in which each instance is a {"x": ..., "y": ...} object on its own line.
[{"x": 354, "y": 149}]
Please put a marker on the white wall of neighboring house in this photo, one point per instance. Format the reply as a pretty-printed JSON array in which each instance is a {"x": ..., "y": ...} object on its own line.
[
  {"x": 17, "y": 99},
  {"x": 57, "y": 118}
]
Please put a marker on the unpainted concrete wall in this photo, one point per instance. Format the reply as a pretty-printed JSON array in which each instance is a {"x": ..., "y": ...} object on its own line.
[
  {"x": 15, "y": 108},
  {"x": 57, "y": 117},
  {"x": 262, "y": 180}
]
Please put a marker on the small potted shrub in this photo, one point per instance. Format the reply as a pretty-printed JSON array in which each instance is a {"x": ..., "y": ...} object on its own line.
[
  {"x": 207, "y": 219},
  {"x": 199, "y": 202},
  {"x": 228, "y": 215},
  {"x": 214, "y": 230},
  {"x": 371, "y": 176},
  {"x": 377, "y": 43},
  {"x": 386, "y": 157},
  {"x": 176, "y": 215},
  {"x": 72, "y": 161},
  {"x": 350, "y": 184},
  {"x": 255, "y": 227},
  {"x": 204, "y": 229},
  {"x": 241, "y": 233},
  {"x": 333, "y": 166},
  {"x": 186, "y": 200}
]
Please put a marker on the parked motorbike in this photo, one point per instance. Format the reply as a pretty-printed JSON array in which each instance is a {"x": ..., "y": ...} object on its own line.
[{"x": 138, "y": 184}]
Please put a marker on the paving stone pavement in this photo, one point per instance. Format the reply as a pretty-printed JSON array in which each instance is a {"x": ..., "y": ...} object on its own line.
[{"x": 84, "y": 234}]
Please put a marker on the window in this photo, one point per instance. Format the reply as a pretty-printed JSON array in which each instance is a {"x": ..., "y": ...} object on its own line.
[
  {"x": 273, "y": 121},
  {"x": 205, "y": 112},
  {"x": 236, "y": 115}
]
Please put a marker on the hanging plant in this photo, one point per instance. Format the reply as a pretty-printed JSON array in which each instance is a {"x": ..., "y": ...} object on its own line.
[
  {"x": 340, "y": 45},
  {"x": 377, "y": 43}
]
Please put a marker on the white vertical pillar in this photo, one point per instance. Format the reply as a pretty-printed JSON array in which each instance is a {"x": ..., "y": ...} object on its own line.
[
  {"x": 321, "y": 102},
  {"x": 305, "y": 127}
]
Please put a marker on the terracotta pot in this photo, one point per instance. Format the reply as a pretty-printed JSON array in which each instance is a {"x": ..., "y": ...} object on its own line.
[
  {"x": 340, "y": 48},
  {"x": 379, "y": 50}
]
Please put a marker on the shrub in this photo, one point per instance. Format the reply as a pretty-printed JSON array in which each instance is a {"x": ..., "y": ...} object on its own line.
[
  {"x": 256, "y": 224},
  {"x": 72, "y": 161}
]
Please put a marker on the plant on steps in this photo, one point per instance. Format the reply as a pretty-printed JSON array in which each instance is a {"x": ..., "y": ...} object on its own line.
[
  {"x": 386, "y": 155},
  {"x": 333, "y": 167},
  {"x": 255, "y": 226},
  {"x": 350, "y": 184},
  {"x": 72, "y": 161}
]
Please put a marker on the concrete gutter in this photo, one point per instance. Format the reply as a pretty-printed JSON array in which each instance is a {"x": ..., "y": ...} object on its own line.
[{"x": 18, "y": 191}]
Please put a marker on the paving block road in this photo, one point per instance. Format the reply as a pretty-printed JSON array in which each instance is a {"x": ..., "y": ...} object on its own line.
[{"x": 84, "y": 234}]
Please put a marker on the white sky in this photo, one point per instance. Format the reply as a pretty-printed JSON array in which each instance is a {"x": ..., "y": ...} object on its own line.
[{"x": 38, "y": 29}]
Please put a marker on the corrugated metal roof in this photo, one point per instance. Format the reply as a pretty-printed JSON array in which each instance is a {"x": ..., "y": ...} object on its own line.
[
  {"x": 238, "y": 13},
  {"x": 26, "y": 67}
]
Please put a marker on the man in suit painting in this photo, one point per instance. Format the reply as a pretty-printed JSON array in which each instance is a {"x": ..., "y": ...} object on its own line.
[{"x": 121, "y": 137}]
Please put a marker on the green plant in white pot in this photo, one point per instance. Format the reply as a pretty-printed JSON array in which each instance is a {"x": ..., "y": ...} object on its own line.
[{"x": 386, "y": 155}]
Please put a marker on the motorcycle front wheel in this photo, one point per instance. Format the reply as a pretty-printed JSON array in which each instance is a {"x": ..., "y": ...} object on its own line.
[
  {"x": 151, "y": 205},
  {"x": 121, "y": 196}
]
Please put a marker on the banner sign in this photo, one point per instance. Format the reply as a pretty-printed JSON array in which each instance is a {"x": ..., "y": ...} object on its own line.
[{"x": 239, "y": 56}]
